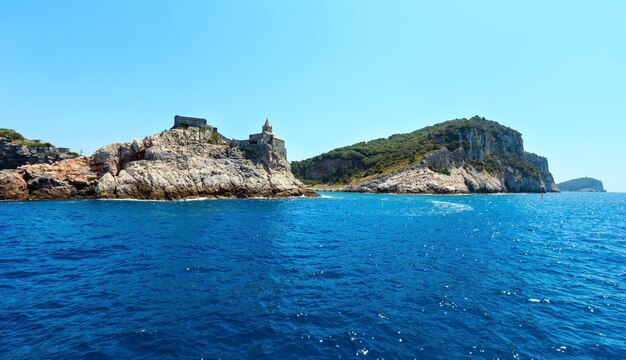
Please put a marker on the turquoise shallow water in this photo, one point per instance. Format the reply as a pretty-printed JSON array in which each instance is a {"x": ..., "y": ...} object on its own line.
[{"x": 344, "y": 276}]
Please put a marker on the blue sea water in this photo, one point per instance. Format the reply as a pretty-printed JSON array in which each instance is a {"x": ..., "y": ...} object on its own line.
[{"x": 343, "y": 276}]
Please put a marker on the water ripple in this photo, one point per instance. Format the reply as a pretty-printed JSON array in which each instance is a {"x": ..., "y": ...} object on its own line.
[{"x": 343, "y": 276}]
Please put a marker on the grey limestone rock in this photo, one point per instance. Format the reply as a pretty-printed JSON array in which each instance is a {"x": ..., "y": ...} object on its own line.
[
  {"x": 422, "y": 180},
  {"x": 180, "y": 163},
  {"x": 474, "y": 158},
  {"x": 184, "y": 163},
  {"x": 14, "y": 154}
]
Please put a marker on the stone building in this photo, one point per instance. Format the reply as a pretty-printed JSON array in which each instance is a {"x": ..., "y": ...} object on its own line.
[
  {"x": 186, "y": 122},
  {"x": 265, "y": 138},
  {"x": 256, "y": 142}
]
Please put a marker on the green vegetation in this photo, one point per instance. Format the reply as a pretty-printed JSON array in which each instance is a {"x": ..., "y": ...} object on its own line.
[
  {"x": 311, "y": 182},
  {"x": 215, "y": 138},
  {"x": 489, "y": 163},
  {"x": 582, "y": 184},
  {"x": 21, "y": 140},
  {"x": 11, "y": 134},
  {"x": 381, "y": 156},
  {"x": 444, "y": 171},
  {"x": 523, "y": 166},
  {"x": 31, "y": 143}
]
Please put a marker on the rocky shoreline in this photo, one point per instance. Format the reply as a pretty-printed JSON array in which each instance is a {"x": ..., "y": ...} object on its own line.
[
  {"x": 455, "y": 157},
  {"x": 181, "y": 163},
  {"x": 193, "y": 160},
  {"x": 459, "y": 178}
]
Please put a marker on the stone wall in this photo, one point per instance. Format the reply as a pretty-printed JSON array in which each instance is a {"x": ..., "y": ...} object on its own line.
[
  {"x": 185, "y": 122},
  {"x": 266, "y": 147},
  {"x": 279, "y": 147}
]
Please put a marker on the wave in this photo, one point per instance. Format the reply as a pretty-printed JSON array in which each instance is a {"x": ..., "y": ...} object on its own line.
[{"x": 450, "y": 207}]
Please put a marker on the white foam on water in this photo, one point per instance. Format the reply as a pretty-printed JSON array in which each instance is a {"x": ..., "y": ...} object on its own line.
[
  {"x": 205, "y": 199},
  {"x": 450, "y": 207},
  {"x": 533, "y": 300},
  {"x": 138, "y": 200},
  {"x": 197, "y": 199}
]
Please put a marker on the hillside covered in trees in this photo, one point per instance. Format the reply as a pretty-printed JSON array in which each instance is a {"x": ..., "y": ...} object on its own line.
[
  {"x": 475, "y": 145},
  {"x": 585, "y": 184}
]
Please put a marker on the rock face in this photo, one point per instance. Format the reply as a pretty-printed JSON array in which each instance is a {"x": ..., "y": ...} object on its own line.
[
  {"x": 422, "y": 180},
  {"x": 460, "y": 156},
  {"x": 73, "y": 178},
  {"x": 14, "y": 154},
  {"x": 442, "y": 172},
  {"x": 585, "y": 184},
  {"x": 12, "y": 185},
  {"x": 175, "y": 164},
  {"x": 328, "y": 170},
  {"x": 541, "y": 164}
]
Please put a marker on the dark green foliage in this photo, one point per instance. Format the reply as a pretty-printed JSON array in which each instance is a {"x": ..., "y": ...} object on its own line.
[
  {"x": 379, "y": 156},
  {"x": 31, "y": 143},
  {"x": 21, "y": 140},
  {"x": 10, "y": 133},
  {"x": 496, "y": 165},
  {"x": 523, "y": 166},
  {"x": 310, "y": 182},
  {"x": 215, "y": 138},
  {"x": 444, "y": 171},
  {"x": 490, "y": 164}
]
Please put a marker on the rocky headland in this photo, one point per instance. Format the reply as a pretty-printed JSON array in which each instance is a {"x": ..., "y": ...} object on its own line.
[
  {"x": 191, "y": 160},
  {"x": 16, "y": 150},
  {"x": 585, "y": 184},
  {"x": 458, "y": 156}
]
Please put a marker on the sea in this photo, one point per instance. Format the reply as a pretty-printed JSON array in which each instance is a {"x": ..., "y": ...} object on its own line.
[{"x": 344, "y": 276}]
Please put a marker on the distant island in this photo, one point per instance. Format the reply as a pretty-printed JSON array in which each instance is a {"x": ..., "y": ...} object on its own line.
[
  {"x": 585, "y": 184},
  {"x": 459, "y": 156},
  {"x": 191, "y": 160}
]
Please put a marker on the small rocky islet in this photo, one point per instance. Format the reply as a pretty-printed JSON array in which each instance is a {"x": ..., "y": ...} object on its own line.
[{"x": 193, "y": 160}]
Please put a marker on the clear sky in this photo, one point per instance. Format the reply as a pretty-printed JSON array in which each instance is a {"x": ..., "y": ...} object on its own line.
[{"x": 83, "y": 74}]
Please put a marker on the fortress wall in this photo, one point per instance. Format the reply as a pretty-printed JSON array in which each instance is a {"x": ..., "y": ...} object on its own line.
[{"x": 185, "y": 121}]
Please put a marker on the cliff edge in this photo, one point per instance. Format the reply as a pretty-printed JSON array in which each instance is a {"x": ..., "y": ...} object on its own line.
[
  {"x": 16, "y": 150},
  {"x": 458, "y": 156},
  {"x": 191, "y": 160}
]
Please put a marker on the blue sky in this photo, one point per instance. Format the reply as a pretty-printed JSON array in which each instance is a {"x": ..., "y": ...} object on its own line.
[{"x": 327, "y": 73}]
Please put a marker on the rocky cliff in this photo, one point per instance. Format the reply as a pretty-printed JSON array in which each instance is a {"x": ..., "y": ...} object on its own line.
[
  {"x": 458, "y": 156},
  {"x": 174, "y": 164},
  {"x": 585, "y": 184},
  {"x": 15, "y": 151}
]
